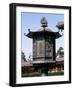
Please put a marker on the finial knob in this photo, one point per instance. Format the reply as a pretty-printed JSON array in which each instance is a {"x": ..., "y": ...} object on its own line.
[{"x": 44, "y": 22}]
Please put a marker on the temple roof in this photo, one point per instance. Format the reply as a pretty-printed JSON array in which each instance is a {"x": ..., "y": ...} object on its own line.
[
  {"x": 60, "y": 25},
  {"x": 41, "y": 62}
]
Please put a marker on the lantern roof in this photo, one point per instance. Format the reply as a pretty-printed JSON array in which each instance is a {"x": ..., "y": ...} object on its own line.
[{"x": 43, "y": 30}]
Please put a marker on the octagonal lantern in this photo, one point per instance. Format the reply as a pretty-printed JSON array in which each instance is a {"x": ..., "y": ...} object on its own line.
[{"x": 43, "y": 43}]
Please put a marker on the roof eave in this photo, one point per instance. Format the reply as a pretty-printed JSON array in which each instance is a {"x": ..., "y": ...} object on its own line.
[{"x": 57, "y": 34}]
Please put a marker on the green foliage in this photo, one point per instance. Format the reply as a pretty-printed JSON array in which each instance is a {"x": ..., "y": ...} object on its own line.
[
  {"x": 56, "y": 73},
  {"x": 60, "y": 52},
  {"x": 23, "y": 56}
]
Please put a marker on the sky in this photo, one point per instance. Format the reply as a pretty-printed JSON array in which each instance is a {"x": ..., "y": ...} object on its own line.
[{"x": 32, "y": 21}]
